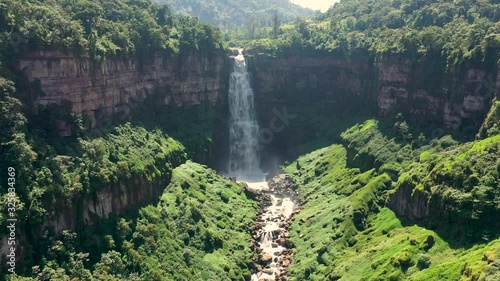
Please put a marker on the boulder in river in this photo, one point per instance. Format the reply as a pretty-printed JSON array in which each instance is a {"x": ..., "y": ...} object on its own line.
[{"x": 266, "y": 258}]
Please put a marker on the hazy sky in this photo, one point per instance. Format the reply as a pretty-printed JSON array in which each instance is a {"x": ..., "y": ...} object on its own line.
[{"x": 322, "y": 5}]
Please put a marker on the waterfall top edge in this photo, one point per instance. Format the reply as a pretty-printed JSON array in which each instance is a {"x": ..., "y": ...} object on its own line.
[{"x": 237, "y": 53}]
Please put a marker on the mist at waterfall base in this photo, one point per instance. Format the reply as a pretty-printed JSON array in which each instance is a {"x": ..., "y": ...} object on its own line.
[{"x": 243, "y": 127}]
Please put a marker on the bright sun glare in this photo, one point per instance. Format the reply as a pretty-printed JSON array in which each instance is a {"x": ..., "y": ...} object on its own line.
[{"x": 322, "y": 5}]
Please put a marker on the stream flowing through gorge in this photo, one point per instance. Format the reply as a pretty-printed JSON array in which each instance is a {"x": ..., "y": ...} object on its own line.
[{"x": 278, "y": 197}]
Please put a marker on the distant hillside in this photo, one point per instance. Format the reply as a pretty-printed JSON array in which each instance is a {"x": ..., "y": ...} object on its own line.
[{"x": 238, "y": 12}]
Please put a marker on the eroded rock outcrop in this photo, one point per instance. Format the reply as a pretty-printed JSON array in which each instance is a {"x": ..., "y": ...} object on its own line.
[
  {"x": 111, "y": 87},
  {"x": 113, "y": 199},
  {"x": 307, "y": 98},
  {"x": 452, "y": 96},
  {"x": 114, "y": 87}
]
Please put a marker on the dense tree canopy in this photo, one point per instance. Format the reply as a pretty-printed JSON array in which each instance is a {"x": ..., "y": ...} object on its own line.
[
  {"x": 239, "y": 12},
  {"x": 457, "y": 30},
  {"x": 49, "y": 168},
  {"x": 101, "y": 29}
]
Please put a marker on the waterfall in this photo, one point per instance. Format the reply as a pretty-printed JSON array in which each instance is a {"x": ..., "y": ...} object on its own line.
[{"x": 243, "y": 126}]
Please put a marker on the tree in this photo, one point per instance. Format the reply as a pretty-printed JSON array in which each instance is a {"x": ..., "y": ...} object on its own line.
[
  {"x": 276, "y": 24},
  {"x": 251, "y": 26},
  {"x": 88, "y": 13}
]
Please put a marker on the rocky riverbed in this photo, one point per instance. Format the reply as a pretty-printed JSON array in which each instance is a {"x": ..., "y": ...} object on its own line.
[{"x": 279, "y": 199}]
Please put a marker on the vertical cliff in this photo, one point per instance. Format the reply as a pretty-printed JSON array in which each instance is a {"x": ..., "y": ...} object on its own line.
[
  {"x": 335, "y": 87},
  {"x": 189, "y": 85},
  {"x": 425, "y": 87},
  {"x": 114, "y": 87},
  {"x": 308, "y": 98}
]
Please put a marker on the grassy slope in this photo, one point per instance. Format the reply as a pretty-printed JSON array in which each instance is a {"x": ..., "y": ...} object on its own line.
[
  {"x": 198, "y": 231},
  {"x": 85, "y": 167},
  {"x": 464, "y": 182},
  {"x": 345, "y": 232}
]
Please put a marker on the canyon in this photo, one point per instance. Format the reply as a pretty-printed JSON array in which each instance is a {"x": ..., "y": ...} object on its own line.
[
  {"x": 330, "y": 84},
  {"x": 458, "y": 99},
  {"x": 360, "y": 143}
]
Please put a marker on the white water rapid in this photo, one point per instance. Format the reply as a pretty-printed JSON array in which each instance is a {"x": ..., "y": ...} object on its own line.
[{"x": 272, "y": 233}]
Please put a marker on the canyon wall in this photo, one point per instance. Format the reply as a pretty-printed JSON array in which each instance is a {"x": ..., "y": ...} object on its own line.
[
  {"x": 113, "y": 199},
  {"x": 424, "y": 87},
  {"x": 114, "y": 87},
  {"x": 426, "y": 90},
  {"x": 290, "y": 93},
  {"x": 339, "y": 87},
  {"x": 299, "y": 98},
  {"x": 111, "y": 87},
  {"x": 191, "y": 81}
]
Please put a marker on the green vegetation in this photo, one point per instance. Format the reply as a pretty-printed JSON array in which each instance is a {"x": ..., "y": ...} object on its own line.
[
  {"x": 201, "y": 225},
  {"x": 491, "y": 125},
  {"x": 100, "y": 29},
  {"x": 457, "y": 31},
  {"x": 390, "y": 146},
  {"x": 232, "y": 15},
  {"x": 199, "y": 230},
  {"x": 47, "y": 178},
  {"x": 51, "y": 167},
  {"x": 194, "y": 127},
  {"x": 58, "y": 178},
  {"x": 463, "y": 182},
  {"x": 345, "y": 230},
  {"x": 388, "y": 202},
  {"x": 337, "y": 201}
]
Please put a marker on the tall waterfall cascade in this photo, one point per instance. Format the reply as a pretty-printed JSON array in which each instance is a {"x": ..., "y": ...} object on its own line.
[{"x": 243, "y": 126}]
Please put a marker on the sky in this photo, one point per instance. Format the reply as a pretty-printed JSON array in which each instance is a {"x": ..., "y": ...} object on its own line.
[{"x": 322, "y": 5}]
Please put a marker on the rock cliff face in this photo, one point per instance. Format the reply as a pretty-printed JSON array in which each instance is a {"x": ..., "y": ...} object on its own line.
[
  {"x": 311, "y": 79},
  {"x": 111, "y": 200},
  {"x": 109, "y": 88},
  {"x": 453, "y": 97},
  {"x": 410, "y": 203},
  {"x": 425, "y": 88},
  {"x": 299, "y": 98},
  {"x": 329, "y": 91}
]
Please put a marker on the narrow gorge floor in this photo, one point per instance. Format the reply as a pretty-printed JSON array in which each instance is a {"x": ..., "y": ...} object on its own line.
[{"x": 271, "y": 237}]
